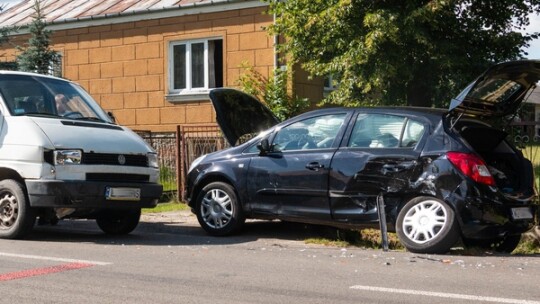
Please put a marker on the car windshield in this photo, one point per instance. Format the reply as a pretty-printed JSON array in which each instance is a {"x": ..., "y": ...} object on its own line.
[{"x": 40, "y": 96}]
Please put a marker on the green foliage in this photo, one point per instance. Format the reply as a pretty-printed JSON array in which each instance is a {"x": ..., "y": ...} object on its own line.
[
  {"x": 37, "y": 56},
  {"x": 166, "y": 207},
  {"x": 366, "y": 238},
  {"x": 397, "y": 52},
  {"x": 273, "y": 91}
]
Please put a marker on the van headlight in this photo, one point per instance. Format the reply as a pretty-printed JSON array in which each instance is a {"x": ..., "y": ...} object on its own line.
[
  {"x": 67, "y": 157},
  {"x": 152, "y": 160}
]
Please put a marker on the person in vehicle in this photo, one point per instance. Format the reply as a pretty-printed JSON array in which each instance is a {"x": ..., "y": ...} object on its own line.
[{"x": 61, "y": 104}]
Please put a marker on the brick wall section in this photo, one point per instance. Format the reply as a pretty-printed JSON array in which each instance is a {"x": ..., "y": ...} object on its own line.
[{"x": 124, "y": 67}]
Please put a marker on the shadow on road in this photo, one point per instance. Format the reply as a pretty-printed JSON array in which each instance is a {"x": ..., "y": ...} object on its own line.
[{"x": 163, "y": 234}]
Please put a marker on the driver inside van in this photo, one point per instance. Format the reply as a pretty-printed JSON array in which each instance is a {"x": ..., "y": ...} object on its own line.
[{"x": 61, "y": 104}]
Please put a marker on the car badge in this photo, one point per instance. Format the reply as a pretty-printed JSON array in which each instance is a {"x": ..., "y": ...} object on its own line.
[{"x": 121, "y": 159}]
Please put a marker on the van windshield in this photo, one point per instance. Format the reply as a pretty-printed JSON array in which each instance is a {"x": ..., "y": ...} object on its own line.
[{"x": 42, "y": 96}]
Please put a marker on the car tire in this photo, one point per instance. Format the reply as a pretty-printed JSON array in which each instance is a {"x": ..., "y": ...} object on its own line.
[
  {"x": 427, "y": 225},
  {"x": 502, "y": 245},
  {"x": 17, "y": 218},
  {"x": 118, "y": 222},
  {"x": 218, "y": 209}
]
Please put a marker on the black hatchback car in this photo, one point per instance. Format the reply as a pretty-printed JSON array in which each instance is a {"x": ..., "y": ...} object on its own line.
[{"x": 444, "y": 175}]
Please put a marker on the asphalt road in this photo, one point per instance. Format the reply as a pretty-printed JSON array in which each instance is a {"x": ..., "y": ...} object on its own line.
[{"x": 169, "y": 259}]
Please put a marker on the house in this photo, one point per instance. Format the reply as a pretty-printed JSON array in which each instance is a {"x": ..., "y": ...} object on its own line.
[{"x": 152, "y": 62}]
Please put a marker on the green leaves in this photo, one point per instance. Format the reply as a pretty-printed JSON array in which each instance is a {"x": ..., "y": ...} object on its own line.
[
  {"x": 401, "y": 52},
  {"x": 37, "y": 56},
  {"x": 272, "y": 91}
]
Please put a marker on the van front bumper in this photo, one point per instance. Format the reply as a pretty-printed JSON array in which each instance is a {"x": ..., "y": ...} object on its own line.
[{"x": 86, "y": 194}]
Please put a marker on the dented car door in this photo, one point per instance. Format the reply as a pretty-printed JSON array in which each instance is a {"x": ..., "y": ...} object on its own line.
[{"x": 378, "y": 155}]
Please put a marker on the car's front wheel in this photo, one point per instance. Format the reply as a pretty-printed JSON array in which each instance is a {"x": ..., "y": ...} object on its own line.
[
  {"x": 218, "y": 209},
  {"x": 427, "y": 225},
  {"x": 118, "y": 222}
]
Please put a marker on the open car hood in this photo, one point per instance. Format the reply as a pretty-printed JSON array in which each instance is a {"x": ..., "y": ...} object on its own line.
[
  {"x": 499, "y": 91},
  {"x": 239, "y": 115}
]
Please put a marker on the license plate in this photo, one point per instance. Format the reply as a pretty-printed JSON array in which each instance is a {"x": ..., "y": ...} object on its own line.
[
  {"x": 123, "y": 194},
  {"x": 522, "y": 213}
]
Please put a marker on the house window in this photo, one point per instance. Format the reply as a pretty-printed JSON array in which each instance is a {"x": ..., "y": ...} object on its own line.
[
  {"x": 195, "y": 65},
  {"x": 330, "y": 83},
  {"x": 55, "y": 68}
]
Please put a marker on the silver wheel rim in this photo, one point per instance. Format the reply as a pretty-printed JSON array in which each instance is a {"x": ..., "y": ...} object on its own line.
[
  {"x": 216, "y": 208},
  {"x": 423, "y": 222},
  {"x": 9, "y": 210}
]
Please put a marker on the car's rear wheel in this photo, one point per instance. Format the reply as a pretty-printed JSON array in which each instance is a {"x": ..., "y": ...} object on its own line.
[
  {"x": 118, "y": 222},
  {"x": 427, "y": 225},
  {"x": 218, "y": 209},
  {"x": 16, "y": 216}
]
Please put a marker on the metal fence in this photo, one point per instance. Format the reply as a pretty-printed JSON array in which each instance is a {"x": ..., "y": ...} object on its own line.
[
  {"x": 165, "y": 144},
  {"x": 177, "y": 150}
]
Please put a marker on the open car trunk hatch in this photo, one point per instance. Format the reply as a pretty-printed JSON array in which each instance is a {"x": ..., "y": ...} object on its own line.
[{"x": 499, "y": 91}]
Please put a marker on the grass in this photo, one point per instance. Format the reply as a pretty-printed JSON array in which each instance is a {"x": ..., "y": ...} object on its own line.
[
  {"x": 165, "y": 207},
  {"x": 365, "y": 238}
]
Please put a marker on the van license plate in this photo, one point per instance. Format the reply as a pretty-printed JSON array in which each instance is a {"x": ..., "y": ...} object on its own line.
[
  {"x": 123, "y": 194},
  {"x": 522, "y": 213}
]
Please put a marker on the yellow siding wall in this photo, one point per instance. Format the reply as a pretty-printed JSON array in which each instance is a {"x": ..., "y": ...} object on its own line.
[{"x": 124, "y": 66}]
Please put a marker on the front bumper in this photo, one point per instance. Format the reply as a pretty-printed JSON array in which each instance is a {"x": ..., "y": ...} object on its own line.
[{"x": 86, "y": 194}]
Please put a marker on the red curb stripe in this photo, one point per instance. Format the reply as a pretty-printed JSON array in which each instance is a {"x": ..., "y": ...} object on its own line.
[{"x": 42, "y": 271}]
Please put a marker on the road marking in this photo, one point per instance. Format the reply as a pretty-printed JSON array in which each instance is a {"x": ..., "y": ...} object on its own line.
[
  {"x": 443, "y": 295},
  {"x": 54, "y": 259},
  {"x": 42, "y": 271}
]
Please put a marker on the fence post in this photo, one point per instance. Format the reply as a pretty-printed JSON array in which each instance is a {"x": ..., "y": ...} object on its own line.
[
  {"x": 382, "y": 221},
  {"x": 179, "y": 165}
]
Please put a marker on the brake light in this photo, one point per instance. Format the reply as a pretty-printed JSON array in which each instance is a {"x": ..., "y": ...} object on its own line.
[{"x": 472, "y": 166}]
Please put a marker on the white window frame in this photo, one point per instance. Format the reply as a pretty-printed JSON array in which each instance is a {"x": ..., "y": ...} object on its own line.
[{"x": 188, "y": 72}]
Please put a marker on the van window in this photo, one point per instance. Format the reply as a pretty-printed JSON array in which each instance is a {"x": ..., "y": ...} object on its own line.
[{"x": 42, "y": 96}]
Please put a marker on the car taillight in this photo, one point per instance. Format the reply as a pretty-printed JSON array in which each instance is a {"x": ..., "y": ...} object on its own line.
[{"x": 472, "y": 166}]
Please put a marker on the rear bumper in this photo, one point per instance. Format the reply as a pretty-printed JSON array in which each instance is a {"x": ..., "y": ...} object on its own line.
[
  {"x": 489, "y": 221},
  {"x": 85, "y": 194}
]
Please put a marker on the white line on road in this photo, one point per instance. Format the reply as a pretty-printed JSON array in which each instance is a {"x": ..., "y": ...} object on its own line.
[
  {"x": 45, "y": 258},
  {"x": 443, "y": 295}
]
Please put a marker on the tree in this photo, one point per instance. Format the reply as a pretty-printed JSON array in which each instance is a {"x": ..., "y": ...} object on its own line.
[
  {"x": 272, "y": 91},
  {"x": 37, "y": 56},
  {"x": 397, "y": 52}
]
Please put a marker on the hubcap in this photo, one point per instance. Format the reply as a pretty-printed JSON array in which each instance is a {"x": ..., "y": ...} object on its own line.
[
  {"x": 9, "y": 210},
  {"x": 424, "y": 221},
  {"x": 216, "y": 208}
]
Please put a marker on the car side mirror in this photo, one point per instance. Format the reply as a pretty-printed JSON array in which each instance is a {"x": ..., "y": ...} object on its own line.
[{"x": 264, "y": 146}]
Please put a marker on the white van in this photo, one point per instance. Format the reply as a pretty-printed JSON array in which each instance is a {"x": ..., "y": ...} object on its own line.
[{"x": 62, "y": 156}]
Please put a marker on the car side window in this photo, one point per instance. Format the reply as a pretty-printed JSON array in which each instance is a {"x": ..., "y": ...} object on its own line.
[
  {"x": 312, "y": 133},
  {"x": 412, "y": 134},
  {"x": 385, "y": 131}
]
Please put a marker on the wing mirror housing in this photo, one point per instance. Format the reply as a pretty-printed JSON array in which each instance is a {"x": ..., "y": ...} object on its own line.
[
  {"x": 264, "y": 146},
  {"x": 111, "y": 116}
]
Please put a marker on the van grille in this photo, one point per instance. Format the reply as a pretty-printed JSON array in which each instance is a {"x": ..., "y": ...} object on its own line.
[
  {"x": 116, "y": 177},
  {"x": 114, "y": 159}
]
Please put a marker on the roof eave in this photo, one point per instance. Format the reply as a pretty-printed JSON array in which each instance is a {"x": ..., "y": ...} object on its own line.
[{"x": 214, "y": 6}]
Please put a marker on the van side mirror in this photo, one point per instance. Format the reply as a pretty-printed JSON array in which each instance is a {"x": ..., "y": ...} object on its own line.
[{"x": 111, "y": 116}]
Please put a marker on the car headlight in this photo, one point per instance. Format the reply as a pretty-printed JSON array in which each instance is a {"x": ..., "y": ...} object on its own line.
[
  {"x": 152, "y": 160},
  {"x": 67, "y": 157},
  {"x": 196, "y": 162}
]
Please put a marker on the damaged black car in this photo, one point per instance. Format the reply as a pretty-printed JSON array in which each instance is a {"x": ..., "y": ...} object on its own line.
[{"x": 445, "y": 174}]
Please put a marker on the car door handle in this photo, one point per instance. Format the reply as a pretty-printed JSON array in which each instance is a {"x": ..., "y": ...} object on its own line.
[{"x": 315, "y": 166}]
